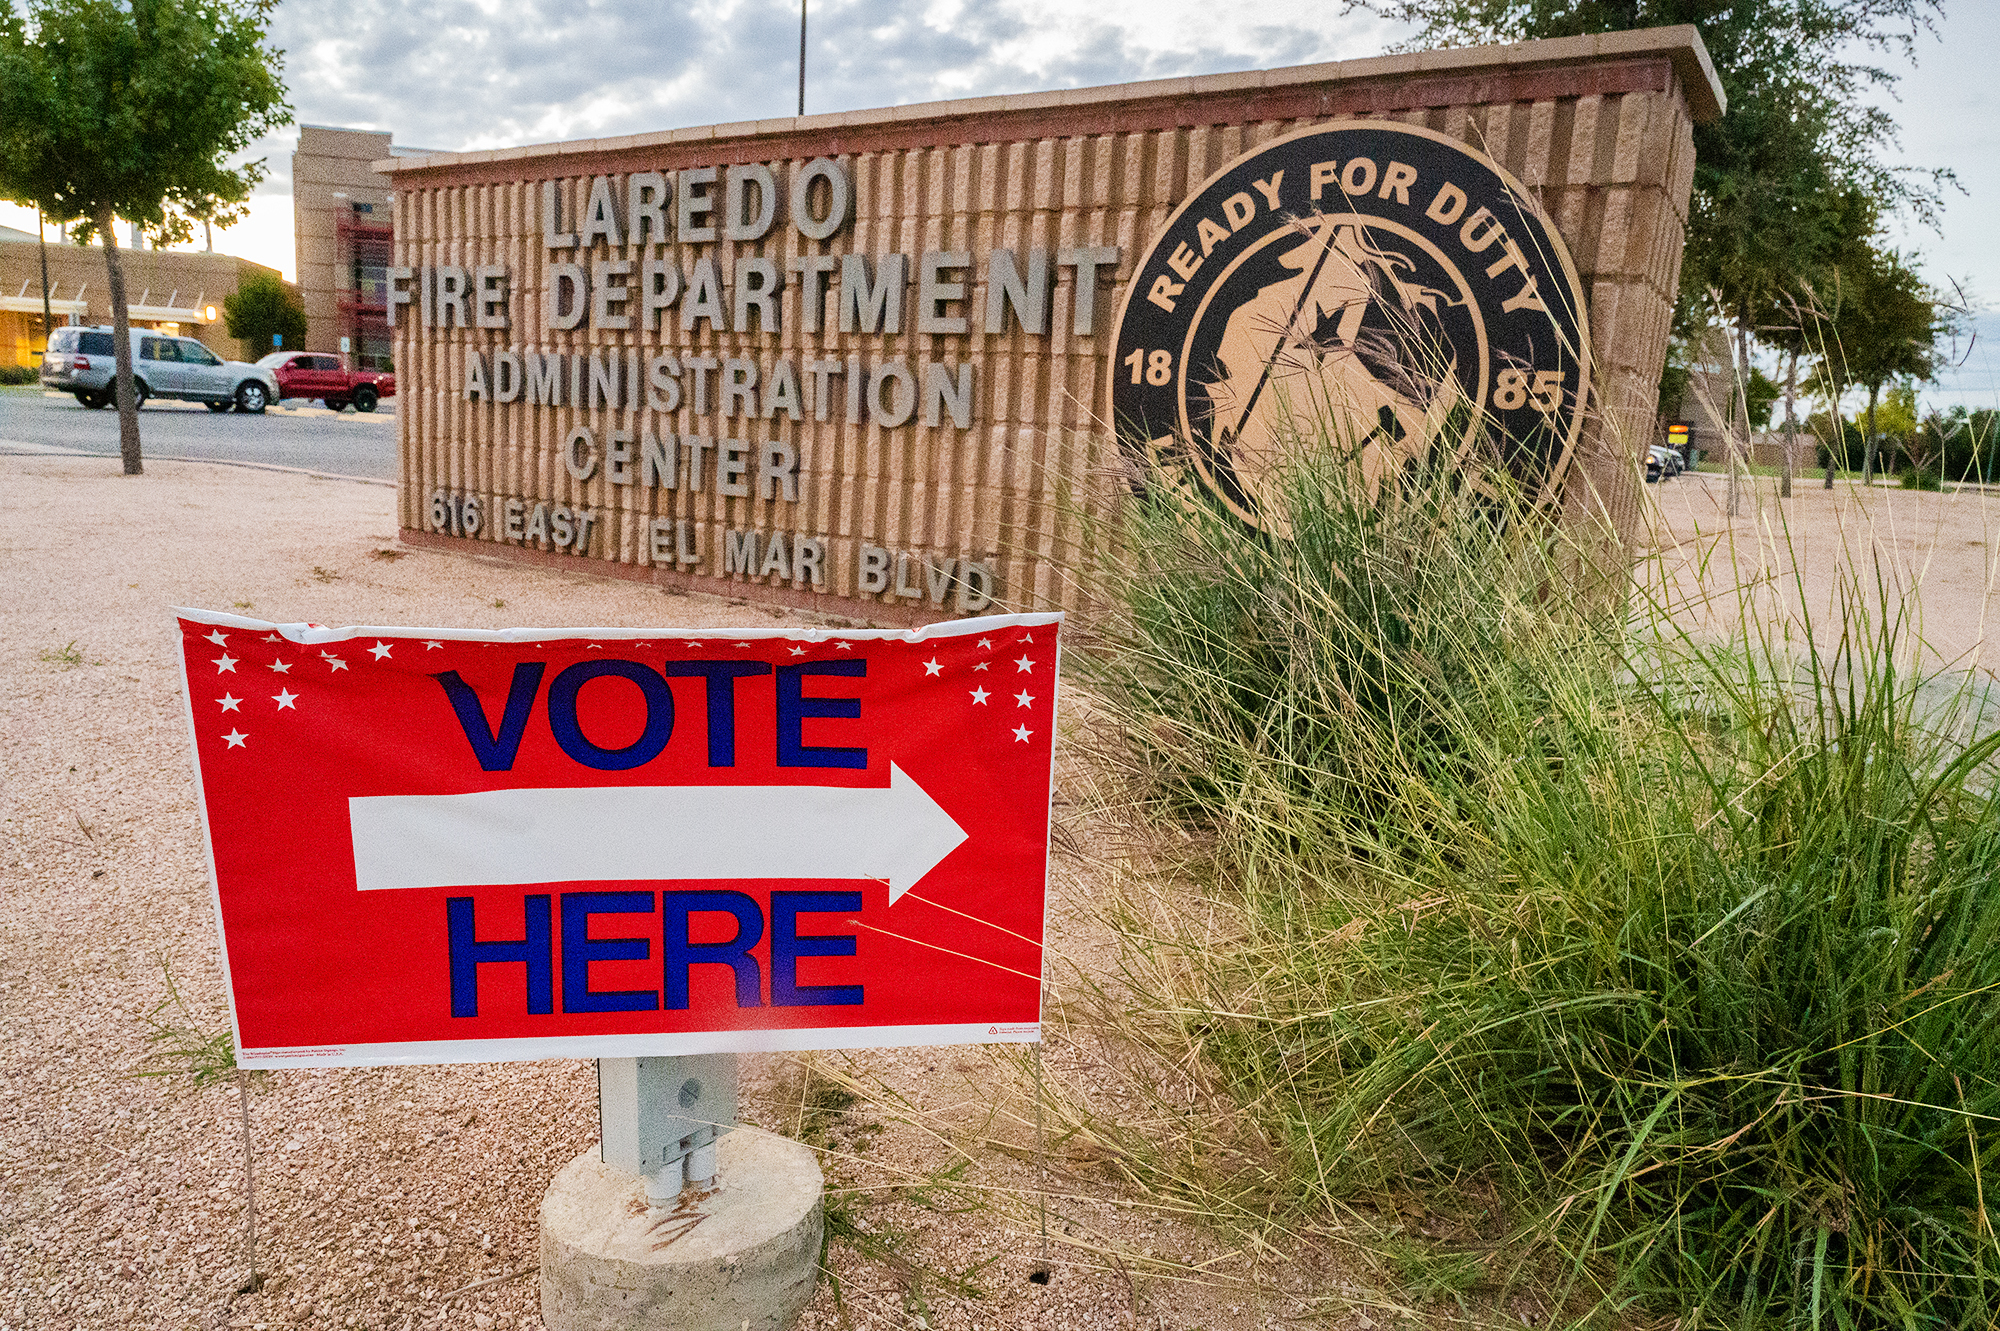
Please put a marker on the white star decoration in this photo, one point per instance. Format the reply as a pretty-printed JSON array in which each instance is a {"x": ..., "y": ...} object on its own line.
[
  {"x": 739, "y": 644},
  {"x": 218, "y": 637},
  {"x": 285, "y": 698},
  {"x": 1027, "y": 637},
  {"x": 228, "y": 703},
  {"x": 282, "y": 667},
  {"x": 1021, "y": 734},
  {"x": 236, "y": 738},
  {"x": 1023, "y": 698},
  {"x": 379, "y": 650},
  {"x": 982, "y": 665},
  {"x": 986, "y": 643},
  {"x": 1024, "y": 665},
  {"x": 272, "y": 637},
  {"x": 225, "y": 664},
  {"x": 432, "y": 646},
  {"x": 979, "y": 696},
  {"x": 931, "y": 667},
  {"x": 797, "y": 651},
  {"x": 336, "y": 662},
  {"x": 843, "y": 646}
]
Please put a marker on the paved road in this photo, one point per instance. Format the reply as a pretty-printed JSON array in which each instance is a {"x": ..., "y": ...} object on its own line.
[{"x": 291, "y": 435}]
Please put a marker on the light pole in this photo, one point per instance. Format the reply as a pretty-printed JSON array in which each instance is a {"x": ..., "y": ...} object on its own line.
[{"x": 802, "y": 57}]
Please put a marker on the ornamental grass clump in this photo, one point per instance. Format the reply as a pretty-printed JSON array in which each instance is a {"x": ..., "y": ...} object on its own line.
[{"x": 1678, "y": 957}]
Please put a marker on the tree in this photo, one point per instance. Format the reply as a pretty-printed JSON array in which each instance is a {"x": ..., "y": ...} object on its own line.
[
  {"x": 1792, "y": 70},
  {"x": 261, "y": 307},
  {"x": 1791, "y": 174},
  {"x": 132, "y": 108},
  {"x": 1792, "y": 319},
  {"x": 1886, "y": 329}
]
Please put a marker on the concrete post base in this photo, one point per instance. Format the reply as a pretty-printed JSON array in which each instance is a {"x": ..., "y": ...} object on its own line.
[{"x": 747, "y": 1254}]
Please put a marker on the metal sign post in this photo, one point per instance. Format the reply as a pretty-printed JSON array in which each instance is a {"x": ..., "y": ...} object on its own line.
[{"x": 660, "y": 1118}]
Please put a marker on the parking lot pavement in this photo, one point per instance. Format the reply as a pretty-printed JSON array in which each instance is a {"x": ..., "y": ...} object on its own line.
[{"x": 294, "y": 434}]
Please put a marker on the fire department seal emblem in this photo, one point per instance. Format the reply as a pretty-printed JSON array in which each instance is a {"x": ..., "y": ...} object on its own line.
[{"x": 1378, "y": 276}]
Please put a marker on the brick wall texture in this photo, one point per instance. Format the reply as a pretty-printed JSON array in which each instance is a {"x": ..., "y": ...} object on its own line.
[{"x": 1599, "y": 130}]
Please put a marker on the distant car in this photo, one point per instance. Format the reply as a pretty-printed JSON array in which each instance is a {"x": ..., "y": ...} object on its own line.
[
  {"x": 1662, "y": 463},
  {"x": 316, "y": 374},
  {"x": 82, "y": 362}
]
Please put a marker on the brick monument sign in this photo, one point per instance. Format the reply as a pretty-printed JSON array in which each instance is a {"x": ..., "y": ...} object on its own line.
[{"x": 887, "y": 364}]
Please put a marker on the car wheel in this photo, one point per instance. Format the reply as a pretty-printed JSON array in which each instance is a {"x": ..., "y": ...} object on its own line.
[
  {"x": 364, "y": 398},
  {"x": 334, "y": 403},
  {"x": 139, "y": 393},
  {"x": 95, "y": 401},
  {"x": 220, "y": 406},
  {"x": 252, "y": 398}
]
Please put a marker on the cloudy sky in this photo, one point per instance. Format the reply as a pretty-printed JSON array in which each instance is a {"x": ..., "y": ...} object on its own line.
[{"x": 465, "y": 74}]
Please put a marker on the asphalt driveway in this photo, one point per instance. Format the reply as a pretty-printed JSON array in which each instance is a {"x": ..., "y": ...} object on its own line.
[{"x": 291, "y": 434}]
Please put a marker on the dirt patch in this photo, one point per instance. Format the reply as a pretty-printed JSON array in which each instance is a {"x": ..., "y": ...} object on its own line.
[{"x": 406, "y": 1197}]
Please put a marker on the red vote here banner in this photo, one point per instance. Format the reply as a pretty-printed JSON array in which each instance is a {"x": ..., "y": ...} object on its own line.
[{"x": 434, "y": 845}]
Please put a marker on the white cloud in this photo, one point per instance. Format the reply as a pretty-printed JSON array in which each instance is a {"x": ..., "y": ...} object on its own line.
[{"x": 468, "y": 74}]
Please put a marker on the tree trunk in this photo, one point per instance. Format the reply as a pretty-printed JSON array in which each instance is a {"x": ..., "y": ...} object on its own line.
[
  {"x": 48, "y": 316},
  {"x": 121, "y": 347},
  {"x": 1791, "y": 424},
  {"x": 1868, "y": 438}
]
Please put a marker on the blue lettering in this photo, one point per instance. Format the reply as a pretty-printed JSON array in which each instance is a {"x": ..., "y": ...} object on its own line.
[
  {"x": 787, "y": 947},
  {"x": 794, "y": 707},
  {"x": 721, "y": 697},
  {"x": 468, "y": 954},
  {"x": 579, "y": 949},
  {"x": 659, "y": 715},
  {"x": 677, "y": 953},
  {"x": 495, "y": 749}
]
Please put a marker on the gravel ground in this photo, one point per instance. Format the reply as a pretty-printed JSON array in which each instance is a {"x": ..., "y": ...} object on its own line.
[
  {"x": 1941, "y": 549},
  {"x": 385, "y": 1197}
]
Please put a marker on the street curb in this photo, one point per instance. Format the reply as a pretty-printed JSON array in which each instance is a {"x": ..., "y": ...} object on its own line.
[{"x": 14, "y": 448}]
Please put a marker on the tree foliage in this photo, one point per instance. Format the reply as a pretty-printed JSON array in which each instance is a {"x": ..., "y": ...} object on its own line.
[
  {"x": 1885, "y": 327},
  {"x": 1794, "y": 71},
  {"x": 263, "y": 306},
  {"x": 134, "y": 109},
  {"x": 1790, "y": 182}
]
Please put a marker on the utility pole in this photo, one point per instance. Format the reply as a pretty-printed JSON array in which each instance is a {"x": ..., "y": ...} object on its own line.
[{"x": 802, "y": 57}]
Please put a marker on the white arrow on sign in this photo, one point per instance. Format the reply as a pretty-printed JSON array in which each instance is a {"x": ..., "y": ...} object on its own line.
[{"x": 676, "y": 832}]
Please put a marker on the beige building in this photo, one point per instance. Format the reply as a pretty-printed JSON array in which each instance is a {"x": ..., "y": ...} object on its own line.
[
  {"x": 178, "y": 291},
  {"x": 341, "y": 226}
]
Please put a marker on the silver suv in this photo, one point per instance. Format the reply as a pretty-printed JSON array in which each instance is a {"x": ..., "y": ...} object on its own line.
[{"x": 80, "y": 361}]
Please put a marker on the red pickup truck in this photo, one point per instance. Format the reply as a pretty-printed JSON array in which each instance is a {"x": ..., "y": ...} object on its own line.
[{"x": 315, "y": 374}]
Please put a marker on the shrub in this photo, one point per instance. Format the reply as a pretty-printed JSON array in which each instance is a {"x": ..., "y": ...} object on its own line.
[
  {"x": 1681, "y": 953},
  {"x": 19, "y": 374},
  {"x": 262, "y": 307}
]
